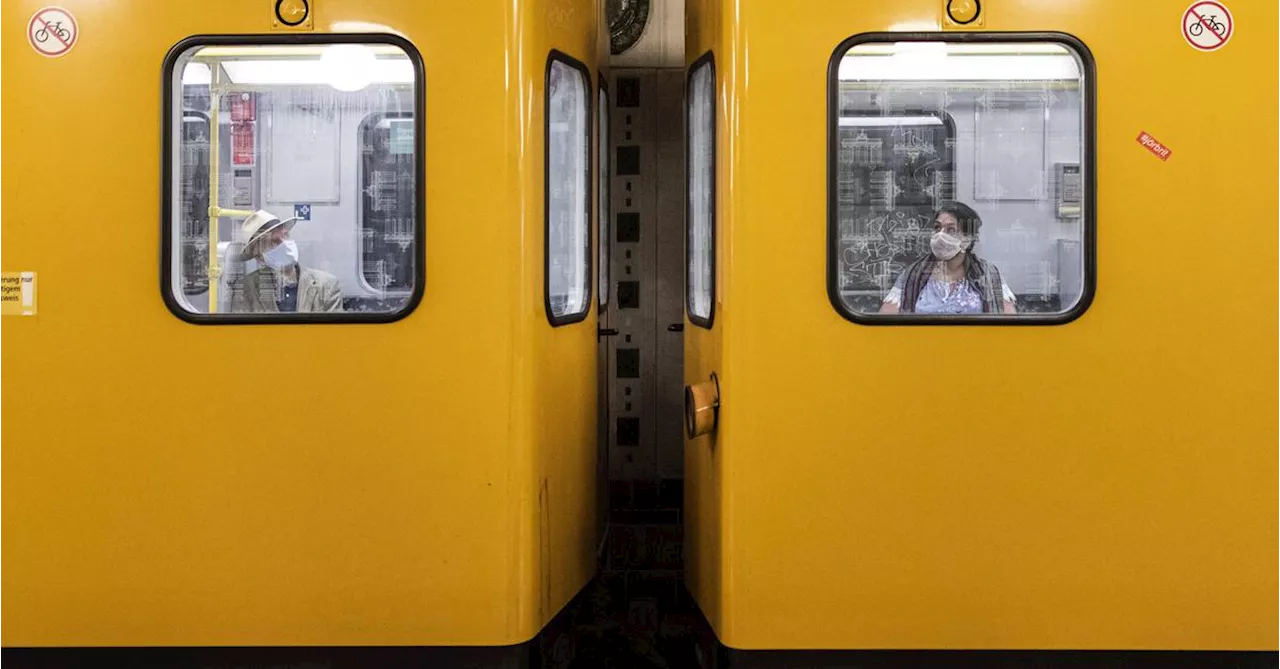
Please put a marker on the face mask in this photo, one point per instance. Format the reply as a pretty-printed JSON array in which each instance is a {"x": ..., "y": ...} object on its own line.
[
  {"x": 283, "y": 255},
  {"x": 944, "y": 245}
]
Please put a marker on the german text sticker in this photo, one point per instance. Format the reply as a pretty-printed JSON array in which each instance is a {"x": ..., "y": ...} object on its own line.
[
  {"x": 1151, "y": 144},
  {"x": 18, "y": 293}
]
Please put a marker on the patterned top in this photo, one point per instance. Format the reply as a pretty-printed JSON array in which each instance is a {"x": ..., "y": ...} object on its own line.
[
  {"x": 945, "y": 297},
  {"x": 288, "y": 300}
]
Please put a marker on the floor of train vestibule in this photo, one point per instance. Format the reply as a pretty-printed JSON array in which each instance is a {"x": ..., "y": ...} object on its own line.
[{"x": 636, "y": 611}]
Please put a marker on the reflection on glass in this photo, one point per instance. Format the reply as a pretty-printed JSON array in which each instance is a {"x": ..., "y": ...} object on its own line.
[
  {"x": 701, "y": 190},
  {"x": 568, "y": 231},
  {"x": 387, "y": 190},
  {"x": 294, "y": 179},
  {"x": 959, "y": 178}
]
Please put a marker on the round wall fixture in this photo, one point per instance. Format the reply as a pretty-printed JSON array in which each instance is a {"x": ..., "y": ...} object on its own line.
[
  {"x": 702, "y": 407},
  {"x": 964, "y": 12},
  {"x": 627, "y": 20},
  {"x": 292, "y": 12}
]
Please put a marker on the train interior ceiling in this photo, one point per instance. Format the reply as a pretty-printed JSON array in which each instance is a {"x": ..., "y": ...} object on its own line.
[{"x": 288, "y": 139}]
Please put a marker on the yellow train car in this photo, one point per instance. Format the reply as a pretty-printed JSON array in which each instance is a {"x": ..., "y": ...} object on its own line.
[
  {"x": 359, "y": 411},
  {"x": 987, "y": 375}
]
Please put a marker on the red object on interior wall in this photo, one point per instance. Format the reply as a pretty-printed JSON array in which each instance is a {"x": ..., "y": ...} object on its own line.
[
  {"x": 243, "y": 107},
  {"x": 241, "y": 143}
]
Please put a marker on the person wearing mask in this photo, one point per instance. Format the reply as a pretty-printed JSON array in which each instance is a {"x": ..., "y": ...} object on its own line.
[
  {"x": 279, "y": 284},
  {"x": 951, "y": 279}
]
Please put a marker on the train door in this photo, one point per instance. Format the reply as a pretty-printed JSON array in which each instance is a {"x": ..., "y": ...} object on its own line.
[
  {"x": 242, "y": 428},
  {"x": 1003, "y": 425}
]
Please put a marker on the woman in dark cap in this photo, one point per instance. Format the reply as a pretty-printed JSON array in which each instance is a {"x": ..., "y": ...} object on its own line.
[{"x": 951, "y": 279}]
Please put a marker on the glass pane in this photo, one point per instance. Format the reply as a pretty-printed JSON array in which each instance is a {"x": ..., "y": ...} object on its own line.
[
  {"x": 294, "y": 179},
  {"x": 568, "y": 169},
  {"x": 193, "y": 193},
  {"x": 386, "y": 191},
  {"x": 602, "y": 206},
  {"x": 701, "y": 191},
  {"x": 960, "y": 178}
]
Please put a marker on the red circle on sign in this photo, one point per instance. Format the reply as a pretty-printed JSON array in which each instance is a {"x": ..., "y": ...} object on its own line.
[
  {"x": 52, "y": 31},
  {"x": 1206, "y": 28}
]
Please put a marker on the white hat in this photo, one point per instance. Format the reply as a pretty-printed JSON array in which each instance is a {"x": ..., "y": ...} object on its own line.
[{"x": 258, "y": 224}]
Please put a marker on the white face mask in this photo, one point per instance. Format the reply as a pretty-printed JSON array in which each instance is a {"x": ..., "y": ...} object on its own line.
[
  {"x": 283, "y": 255},
  {"x": 944, "y": 245}
]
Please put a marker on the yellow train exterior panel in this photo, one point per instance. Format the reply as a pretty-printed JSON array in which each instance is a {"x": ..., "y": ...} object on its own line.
[
  {"x": 161, "y": 489},
  {"x": 1126, "y": 499}
]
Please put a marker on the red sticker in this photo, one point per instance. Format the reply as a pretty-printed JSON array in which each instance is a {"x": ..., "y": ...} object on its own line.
[
  {"x": 52, "y": 31},
  {"x": 243, "y": 108},
  {"x": 1207, "y": 25},
  {"x": 242, "y": 143},
  {"x": 1162, "y": 152}
]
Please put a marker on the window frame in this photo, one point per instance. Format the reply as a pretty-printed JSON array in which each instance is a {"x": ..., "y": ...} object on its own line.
[
  {"x": 604, "y": 253},
  {"x": 554, "y": 56},
  {"x": 1088, "y": 167},
  {"x": 167, "y": 237},
  {"x": 705, "y": 60}
]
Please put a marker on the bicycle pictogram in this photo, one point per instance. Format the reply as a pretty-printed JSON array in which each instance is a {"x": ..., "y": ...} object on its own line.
[
  {"x": 54, "y": 28},
  {"x": 1213, "y": 24}
]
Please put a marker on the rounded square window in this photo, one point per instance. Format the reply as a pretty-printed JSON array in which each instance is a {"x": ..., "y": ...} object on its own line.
[
  {"x": 961, "y": 178},
  {"x": 293, "y": 179},
  {"x": 602, "y": 203},
  {"x": 700, "y": 97},
  {"x": 568, "y": 195}
]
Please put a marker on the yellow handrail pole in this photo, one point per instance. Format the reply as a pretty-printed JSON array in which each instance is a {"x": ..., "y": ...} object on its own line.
[
  {"x": 236, "y": 213},
  {"x": 215, "y": 100}
]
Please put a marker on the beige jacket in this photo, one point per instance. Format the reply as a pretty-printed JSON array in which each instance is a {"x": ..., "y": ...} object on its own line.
[{"x": 255, "y": 292}]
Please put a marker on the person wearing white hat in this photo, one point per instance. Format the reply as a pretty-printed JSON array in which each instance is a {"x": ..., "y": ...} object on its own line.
[{"x": 279, "y": 284}]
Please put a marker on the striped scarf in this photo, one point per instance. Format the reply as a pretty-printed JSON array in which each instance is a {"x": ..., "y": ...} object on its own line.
[{"x": 982, "y": 275}]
